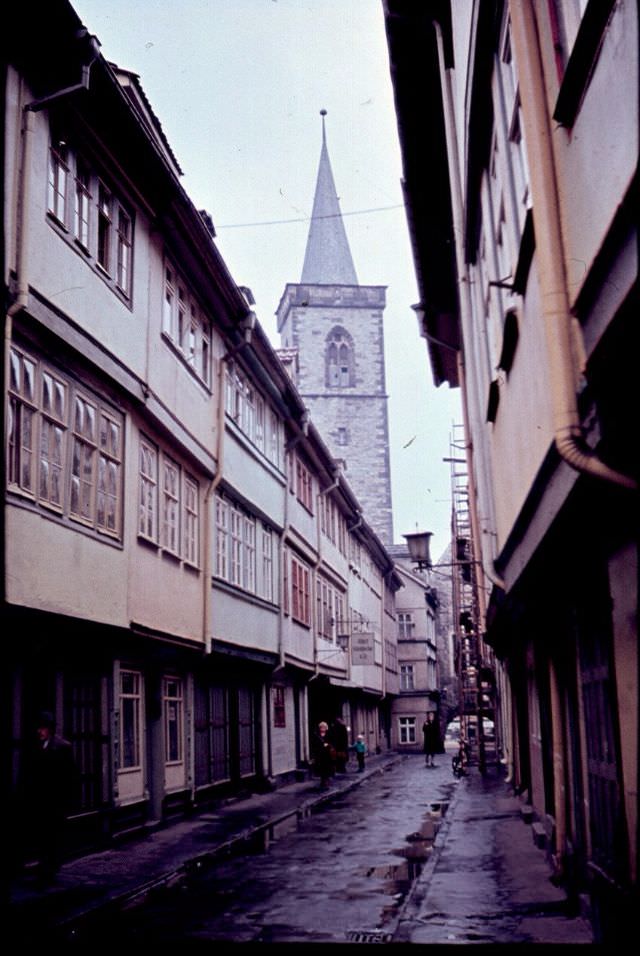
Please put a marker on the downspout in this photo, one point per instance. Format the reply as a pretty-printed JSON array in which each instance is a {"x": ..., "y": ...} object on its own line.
[
  {"x": 563, "y": 333},
  {"x": 464, "y": 300},
  {"x": 247, "y": 325},
  {"x": 559, "y": 773}
]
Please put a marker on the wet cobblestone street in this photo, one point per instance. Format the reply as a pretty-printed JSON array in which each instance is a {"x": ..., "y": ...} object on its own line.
[{"x": 338, "y": 875}]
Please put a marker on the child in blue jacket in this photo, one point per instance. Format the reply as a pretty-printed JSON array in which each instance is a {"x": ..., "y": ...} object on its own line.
[{"x": 361, "y": 749}]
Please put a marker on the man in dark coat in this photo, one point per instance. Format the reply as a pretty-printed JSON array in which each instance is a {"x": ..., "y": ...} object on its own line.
[
  {"x": 340, "y": 740},
  {"x": 431, "y": 734},
  {"x": 51, "y": 791}
]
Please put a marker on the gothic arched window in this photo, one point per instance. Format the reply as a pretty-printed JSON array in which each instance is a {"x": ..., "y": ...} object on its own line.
[{"x": 339, "y": 359}]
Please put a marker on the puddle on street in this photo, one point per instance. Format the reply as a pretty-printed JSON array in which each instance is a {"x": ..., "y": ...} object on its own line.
[{"x": 398, "y": 878}]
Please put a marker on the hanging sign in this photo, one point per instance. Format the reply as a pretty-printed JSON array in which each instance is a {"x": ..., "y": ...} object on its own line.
[{"x": 362, "y": 648}]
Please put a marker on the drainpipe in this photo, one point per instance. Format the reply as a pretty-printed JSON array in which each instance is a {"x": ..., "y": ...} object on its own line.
[
  {"x": 247, "y": 325},
  {"x": 559, "y": 773},
  {"x": 562, "y": 331}
]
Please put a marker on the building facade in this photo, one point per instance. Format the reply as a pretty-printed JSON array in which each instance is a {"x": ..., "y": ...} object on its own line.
[
  {"x": 526, "y": 256},
  {"x": 418, "y": 657},
  {"x": 186, "y": 566}
]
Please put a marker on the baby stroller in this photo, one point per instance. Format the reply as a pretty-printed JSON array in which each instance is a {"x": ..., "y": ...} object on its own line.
[{"x": 460, "y": 760}]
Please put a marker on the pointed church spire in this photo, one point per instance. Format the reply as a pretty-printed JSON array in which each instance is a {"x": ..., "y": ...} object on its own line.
[{"x": 327, "y": 259}]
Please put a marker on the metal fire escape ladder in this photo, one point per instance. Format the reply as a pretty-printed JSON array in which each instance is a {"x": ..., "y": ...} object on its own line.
[{"x": 466, "y": 609}]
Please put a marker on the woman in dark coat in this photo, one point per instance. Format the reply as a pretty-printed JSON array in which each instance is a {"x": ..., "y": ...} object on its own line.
[{"x": 431, "y": 734}]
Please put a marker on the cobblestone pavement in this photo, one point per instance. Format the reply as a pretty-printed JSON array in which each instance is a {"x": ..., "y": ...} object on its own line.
[{"x": 470, "y": 874}]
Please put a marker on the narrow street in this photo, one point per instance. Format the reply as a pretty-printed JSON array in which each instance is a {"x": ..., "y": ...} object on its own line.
[{"x": 339, "y": 875}]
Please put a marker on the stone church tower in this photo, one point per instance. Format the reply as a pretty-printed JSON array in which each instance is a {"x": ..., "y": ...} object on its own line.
[{"x": 334, "y": 327}]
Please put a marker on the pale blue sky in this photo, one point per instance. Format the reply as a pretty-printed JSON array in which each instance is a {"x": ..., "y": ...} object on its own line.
[{"x": 238, "y": 86}]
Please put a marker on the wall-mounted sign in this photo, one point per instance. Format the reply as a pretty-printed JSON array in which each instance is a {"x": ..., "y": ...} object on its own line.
[{"x": 362, "y": 648}]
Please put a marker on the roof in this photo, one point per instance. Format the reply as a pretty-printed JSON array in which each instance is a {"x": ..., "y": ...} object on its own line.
[{"x": 327, "y": 258}]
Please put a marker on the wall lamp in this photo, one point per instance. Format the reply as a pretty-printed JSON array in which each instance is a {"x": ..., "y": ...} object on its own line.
[{"x": 418, "y": 544}]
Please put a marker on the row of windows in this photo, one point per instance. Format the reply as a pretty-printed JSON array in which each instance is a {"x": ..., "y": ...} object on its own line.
[
  {"x": 186, "y": 326},
  {"x": 168, "y": 504},
  {"x": 330, "y": 611},
  {"x": 236, "y": 558},
  {"x": 333, "y": 523},
  {"x": 253, "y": 416},
  {"x": 81, "y": 203},
  {"x": 65, "y": 453},
  {"x": 64, "y": 446},
  {"x": 131, "y": 719},
  {"x": 300, "y": 481}
]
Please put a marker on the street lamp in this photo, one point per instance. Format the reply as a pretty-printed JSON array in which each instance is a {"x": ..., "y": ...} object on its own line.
[{"x": 418, "y": 545}]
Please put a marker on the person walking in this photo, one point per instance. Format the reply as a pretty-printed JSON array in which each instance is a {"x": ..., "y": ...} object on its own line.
[
  {"x": 431, "y": 736},
  {"x": 340, "y": 740},
  {"x": 323, "y": 754},
  {"x": 360, "y": 748},
  {"x": 51, "y": 792}
]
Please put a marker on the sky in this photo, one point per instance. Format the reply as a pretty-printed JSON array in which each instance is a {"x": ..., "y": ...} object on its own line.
[{"x": 238, "y": 86}]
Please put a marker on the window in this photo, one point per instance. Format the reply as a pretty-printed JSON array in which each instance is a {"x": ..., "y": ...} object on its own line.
[
  {"x": 300, "y": 591},
  {"x": 330, "y": 617},
  {"x": 407, "y": 730},
  {"x": 248, "y": 409},
  {"x": 52, "y": 439},
  {"x": 88, "y": 212},
  {"x": 236, "y": 546},
  {"x": 173, "y": 719},
  {"x": 108, "y": 504},
  {"x": 148, "y": 490},
  {"x": 279, "y": 712},
  {"x": 249, "y": 554},
  {"x": 339, "y": 362},
  {"x": 64, "y": 447},
  {"x": 83, "y": 455},
  {"x": 267, "y": 564},
  {"x": 170, "y": 505},
  {"x": 58, "y": 178},
  {"x": 82, "y": 204},
  {"x": 130, "y": 719},
  {"x": 407, "y": 677},
  {"x": 190, "y": 521},
  {"x": 406, "y": 626},
  {"x": 304, "y": 485},
  {"x": 168, "y": 512},
  {"x": 103, "y": 254},
  {"x": 185, "y": 326},
  {"x": 286, "y": 603},
  {"x": 123, "y": 253},
  {"x": 222, "y": 539},
  {"x": 23, "y": 418}
]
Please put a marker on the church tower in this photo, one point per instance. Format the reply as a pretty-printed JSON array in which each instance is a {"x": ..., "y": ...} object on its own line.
[{"x": 334, "y": 327}]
